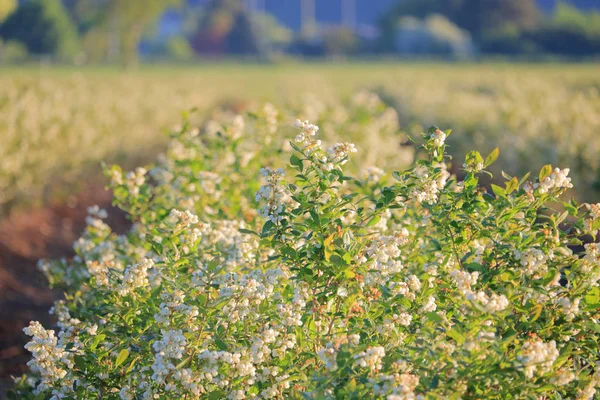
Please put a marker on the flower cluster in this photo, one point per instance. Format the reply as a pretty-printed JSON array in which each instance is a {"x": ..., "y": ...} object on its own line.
[
  {"x": 50, "y": 359},
  {"x": 306, "y": 137},
  {"x": 135, "y": 276},
  {"x": 273, "y": 194},
  {"x": 340, "y": 151},
  {"x": 533, "y": 260},
  {"x": 438, "y": 138},
  {"x": 370, "y": 358},
  {"x": 558, "y": 179},
  {"x": 537, "y": 357}
]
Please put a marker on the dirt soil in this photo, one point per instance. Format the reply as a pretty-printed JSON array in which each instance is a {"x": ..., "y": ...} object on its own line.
[{"x": 25, "y": 237}]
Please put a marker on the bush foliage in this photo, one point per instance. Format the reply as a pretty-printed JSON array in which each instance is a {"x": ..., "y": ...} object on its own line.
[
  {"x": 43, "y": 27},
  {"x": 247, "y": 277}
]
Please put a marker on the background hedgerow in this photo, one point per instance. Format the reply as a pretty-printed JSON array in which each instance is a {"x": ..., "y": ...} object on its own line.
[
  {"x": 245, "y": 276},
  {"x": 58, "y": 123}
]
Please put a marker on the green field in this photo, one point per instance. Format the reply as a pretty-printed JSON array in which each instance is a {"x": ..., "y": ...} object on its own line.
[{"x": 58, "y": 124}]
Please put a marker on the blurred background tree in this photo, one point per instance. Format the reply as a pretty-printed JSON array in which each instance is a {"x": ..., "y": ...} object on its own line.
[
  {"x": 6, "y": 8},
  {"x": 243, "y": 37},
  {"x": 229, "y": 27},
  {"x": 213, "y": 26},
  {"x": 478, "y": 17},
  {"x": 434, "y": 35},
  {"x": 276, "y": 36},
  {"x": 123, "y": 23},
  {"x": 569, "y": 32},
  {"x": 43, "y": 27},
  {"x": 178, "y": 48},
  {"x": 340, "y": 41}
]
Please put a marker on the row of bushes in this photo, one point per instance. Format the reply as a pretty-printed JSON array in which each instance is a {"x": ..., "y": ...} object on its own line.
[
  {"x": 569, "y": 32},
  {"x": 305, "y": 280}
]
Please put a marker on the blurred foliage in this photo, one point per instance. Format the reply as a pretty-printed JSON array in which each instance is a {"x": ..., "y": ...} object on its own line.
[
  {"x": 476, "y": 16},
  {"x": 214, "y": 24},
  {"x": 178, "y": 48},
  {"x": 434, "y": 35},
  {"x": 115, "y": 27},
  {"x": 43, "y": 27},
  {"x": 510, "y": 27},
  {"x": 272, "y": 31},
  {"x": 508, "y": 40},
  {"x": 570, "y": 17},
  {"x": 244, "y": 37},
  {"x": 568, "y": 31},
  {"x": 175, "y": 48},
  {"x": 12, "y": 52},
  {"x": 227, "y": 27},
  {"x": 6, "y": 8},
  {"x": 340, "y": 41}
]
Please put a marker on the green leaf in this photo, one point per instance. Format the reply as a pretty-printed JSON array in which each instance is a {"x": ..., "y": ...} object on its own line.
[
  {"x": 80, "y": 362},
  {"x": 492, "y": 157},
  {"x": 267, "y": 227},
  {"x": 351, "y": 386},
  {"x": 133, "y": 364},
  {"x": 300, "y": 337},
  {"x": 349, "y": 274},
  {"x": 121, "y": 357},
  {"x": 347, "y": 257},
  {"x": 474, "y": 157},
  {"x": 593, "y": 326},
  {"x": 433, "y": 316},
  {"x": 545, "y": 388},
  {"x": 336, "y": 260},
  {"x": 536, "y": 311},
  {"x": 216, "y": 395},
  {"x": 524, "y": 178},
  {"x": 570, "y": 209},
  {"x": 221, "y": 345},
  {"x": 327, "y": 242},
  {"x": 512, "y": 185},
  {"x": 498, "y": 191},
  {"x": 183, "y": 362},
  {"x": 97, "y": 340},
  {"x": 562, "y": 217},
  {"x": 315, "y": 217},
  {"x": 388, "y": 195},
  {"x": 593, "y": 296},
  {"x": 296, "y": 162},
  {"x": 545, "y": 171},
  {"x": 505, "y": 277},
  {"x": 456, "y": 335},
  {"x": 373, "y": 221}
]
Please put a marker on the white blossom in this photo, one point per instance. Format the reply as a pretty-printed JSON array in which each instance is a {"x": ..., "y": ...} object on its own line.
[{"x": 537, "y": 357}]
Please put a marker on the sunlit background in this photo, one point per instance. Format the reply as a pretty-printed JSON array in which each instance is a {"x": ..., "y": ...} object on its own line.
[{"x": 111, "y": 31}]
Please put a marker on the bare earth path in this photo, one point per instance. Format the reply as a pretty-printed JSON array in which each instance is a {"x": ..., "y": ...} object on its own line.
[{"x": 25, "y": 237}]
